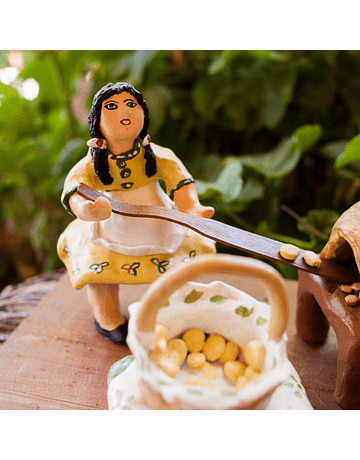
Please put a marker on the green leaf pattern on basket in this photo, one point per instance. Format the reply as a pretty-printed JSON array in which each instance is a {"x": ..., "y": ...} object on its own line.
[
  {"x": 131, "y": 268},
  {"x": 98, "y": 268},
  {"x": 160, "y": 264},
  {"x": 67, "y": 251},
  {"x": 193, "y": 296},
  {"x": 244, "y": 311},
  {"x": 218, "y": 299},
  {"x": 294, "y": 385},
  {"x": 260, "y": 321},
  {"x": 196, "y": 392},
  {"x": 119, "y": 367},
  {"x": 228, "y": 393}
]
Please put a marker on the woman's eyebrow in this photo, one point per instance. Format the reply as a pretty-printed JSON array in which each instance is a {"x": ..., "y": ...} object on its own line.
[
  {"x": 132, "y": 100},
  {"x": 106, "y": 102}
]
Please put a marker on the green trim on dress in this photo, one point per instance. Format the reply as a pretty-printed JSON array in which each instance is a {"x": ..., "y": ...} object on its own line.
[
  {"x": 66, "y": 197},
  {"x": 126, "y": 156},
  {"x": 183, "y": 182}
]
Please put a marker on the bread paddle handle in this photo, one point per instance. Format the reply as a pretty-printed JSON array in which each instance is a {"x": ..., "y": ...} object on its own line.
[{"x": 226, "y": 234}]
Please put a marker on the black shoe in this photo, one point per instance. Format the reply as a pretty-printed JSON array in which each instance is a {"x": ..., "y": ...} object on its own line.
[{"x": 117, "y": 335}]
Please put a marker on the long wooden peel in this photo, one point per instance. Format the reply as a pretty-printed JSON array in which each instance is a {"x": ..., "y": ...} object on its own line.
[{"x": 228, "y": 235}]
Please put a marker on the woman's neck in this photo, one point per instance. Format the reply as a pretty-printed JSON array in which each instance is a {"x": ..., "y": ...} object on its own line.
[{"x": 118, "y": 147}]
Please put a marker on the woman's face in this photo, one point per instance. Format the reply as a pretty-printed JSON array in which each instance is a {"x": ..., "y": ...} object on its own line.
[{"x": 122, "y": 117}]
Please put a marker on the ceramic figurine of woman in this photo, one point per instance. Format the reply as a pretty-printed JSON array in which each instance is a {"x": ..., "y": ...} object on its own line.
[{"x": 103, "y": 250}]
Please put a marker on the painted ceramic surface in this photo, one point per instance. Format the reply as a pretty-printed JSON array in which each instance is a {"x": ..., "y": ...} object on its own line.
[
  {"x": 124, "y": 393},
  {"x": 87, "y": 262},
  {"x": 213, "y": 308}
]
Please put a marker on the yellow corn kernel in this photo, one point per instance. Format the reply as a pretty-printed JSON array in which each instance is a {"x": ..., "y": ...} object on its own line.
[
  {"x": 156, "y": 354},
  {"x": 251, "y": 374},
  {"x": 193, "y": 380},
  {"x": 289, "y": 251},
  {"x": 180, "y": 346},
  {"x": 194, "y": 340},
  {"x": 352, "y": 300},
  {"x": 254, "y": 354},
  {"x": 312, "y": 259},
  {"x": 234, "y": 369},
  {"x": 170, "y": 362},
  {"x": 161, "y": 332},
  {"x": 195, "y": 359},
  {"x": 230, "y": 353},
  {"x": 214, "y": 347},
  {"x": 210, "y": 371},
  {"x": 241, "y": 382},
  {"x": 169, "y": 367}
]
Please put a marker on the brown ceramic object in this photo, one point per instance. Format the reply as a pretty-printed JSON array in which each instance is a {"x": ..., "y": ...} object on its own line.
[{"x": 322, "y": 303}]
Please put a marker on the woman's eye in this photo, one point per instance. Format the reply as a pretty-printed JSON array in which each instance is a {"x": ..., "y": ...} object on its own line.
[
  {"x": 111, "y": 106},
  {"x": 131, "y": 104}
]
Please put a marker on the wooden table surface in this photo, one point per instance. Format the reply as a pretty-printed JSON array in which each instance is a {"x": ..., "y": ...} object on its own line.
[{"x": 55, "y": 360}]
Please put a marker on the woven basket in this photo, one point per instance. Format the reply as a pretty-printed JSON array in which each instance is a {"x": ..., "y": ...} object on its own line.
[{"x": 164, "y": 302}]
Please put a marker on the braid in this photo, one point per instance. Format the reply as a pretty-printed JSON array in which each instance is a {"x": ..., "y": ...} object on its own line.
[
  {"x": 150, "y": 161},
  {"x": 101, "y": 165}
]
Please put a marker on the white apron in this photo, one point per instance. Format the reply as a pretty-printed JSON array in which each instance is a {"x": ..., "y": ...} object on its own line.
[{"x": 136, "y": 236}]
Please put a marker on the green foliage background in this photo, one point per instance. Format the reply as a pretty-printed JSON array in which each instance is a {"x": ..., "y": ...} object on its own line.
[{"x": 257, "y": 129}]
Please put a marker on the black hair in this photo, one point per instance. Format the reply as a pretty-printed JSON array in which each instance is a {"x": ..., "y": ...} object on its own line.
[{"x": 99, "y": 156}]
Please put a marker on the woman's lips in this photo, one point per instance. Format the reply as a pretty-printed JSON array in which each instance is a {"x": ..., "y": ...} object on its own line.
[{"x": 125, "y": 121}]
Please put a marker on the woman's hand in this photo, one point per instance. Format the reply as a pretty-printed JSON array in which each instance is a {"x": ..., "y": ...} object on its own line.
[
  {"x": 187, "y": 200},
  {"x": 90, "y": 211}
]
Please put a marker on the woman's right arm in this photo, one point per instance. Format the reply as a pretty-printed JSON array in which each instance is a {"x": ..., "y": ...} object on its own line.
[
  {"x": 88, "y": 210},
  {"x": 75, "y": 204}
]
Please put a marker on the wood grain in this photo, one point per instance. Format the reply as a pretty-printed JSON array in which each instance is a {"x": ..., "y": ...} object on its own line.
[{"x": 56, "y": 360}]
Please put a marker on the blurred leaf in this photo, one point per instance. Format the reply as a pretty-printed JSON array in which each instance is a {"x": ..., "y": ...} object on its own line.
[
  {"x": 73, "y": 151},
  {"x": 230, "y": 182},
  {"x": 204, "y": 94},
  {"x": 228, "y": 185},
  {"x": 284, "y": 158},
  {"x": 268, "y": 55},
  {"x": 158, "y": 98},
  {"x": 307, "y": 136},
  {"x": 220, "y": 62},
  {"x": 350, "y": 154},
  {"x": 276, "y": 163},
  {"x": 138, "y": 63},
  {"x": 253, "y": 190},
  {"x": 223, "y": 60},
  {"x": 45, "y": 72},
  {"x": 279, "y": 87},
  {"x": 332, "y": 150}
]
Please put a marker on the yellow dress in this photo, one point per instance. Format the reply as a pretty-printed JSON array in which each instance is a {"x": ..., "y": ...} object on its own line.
[{"x": 128, "y": 250}]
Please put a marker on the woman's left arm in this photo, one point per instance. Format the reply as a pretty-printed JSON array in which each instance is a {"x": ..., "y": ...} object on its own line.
[
  {"x": 187, "y": 200},
  {"x": 179, "y": 183}
]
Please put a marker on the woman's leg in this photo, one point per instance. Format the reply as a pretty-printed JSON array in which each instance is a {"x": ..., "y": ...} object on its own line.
[{"x": 104, "y": 299}]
